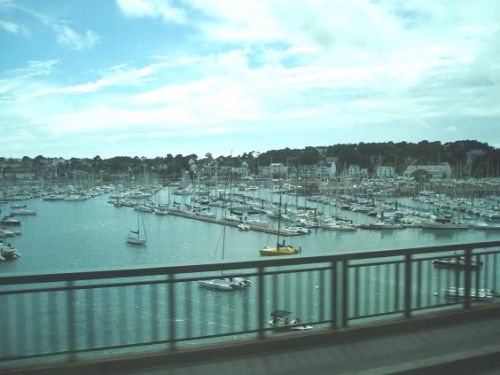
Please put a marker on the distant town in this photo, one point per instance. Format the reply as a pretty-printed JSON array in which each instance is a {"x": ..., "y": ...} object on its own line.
[{"x": 423, "y": 162}]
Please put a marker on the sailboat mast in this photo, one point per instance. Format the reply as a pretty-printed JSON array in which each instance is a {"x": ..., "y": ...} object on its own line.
[{"x": 279, "y": 219}]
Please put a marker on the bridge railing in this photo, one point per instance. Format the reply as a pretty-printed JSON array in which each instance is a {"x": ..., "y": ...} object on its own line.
[{"x": 77, "y": 315}]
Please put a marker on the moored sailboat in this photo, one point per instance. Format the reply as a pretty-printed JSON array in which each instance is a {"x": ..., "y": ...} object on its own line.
[
  {"x": 135, "y": 237},
  {"x": 225, "y": 282},
  {"x": 280, "y": 248}
]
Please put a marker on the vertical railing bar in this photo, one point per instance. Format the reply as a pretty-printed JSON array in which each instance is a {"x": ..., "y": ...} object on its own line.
[
  {"x": 309, "y": 296},
  {"x": 429, "y": 283},
  {"x": 345, "y": 292},
  {"x": 356, "y": 292},
  {"x": 408, "y": 286},
  {"x": 188, "y": 308},
  {"x": 171, "y": 310},
  {"x": 298, "y": 292},
  {"x": 122, "y": 315},
  {"x": 260, "y": 305},
  {"x": 20, "y": 324},
  {"x": 203, "y": 313},
  {"x": 387, "y": 291},
  {"x": 438, "y": 286},
  {"x": 494, "y": 273},
  {"x": 366, "y": 291},
  {"x": 457, "y": 277},
  {"x": 478, "y": 275},
  {"x": 89, "y": 311},
  {"x": 419, "y": 283},
  {"x": 396, "y": 286},
  {"x": 334, "y": 294},
  {"x": 485, "y": 286},
  {"x": 377, "y": 282},
  {"x": 106, "y": 318},
  {"x": 321, "y": 295},
  {"x": 274, "y": 293},
  {"x": 5, "y": 337},
  {"x": 467, "y": 281},
  {"x": 246, "y": 312},
  {"x": 37, "y": 323},
  {"x": 154, "y": 311},
  {"x": 139, "y": 335},
  {"x": 217, "y": 312},
  {"x": 53, "y": 321},
  {"x": 287, "y": 291},
  {"x": 71, "y": 321},
  {"x": 448, "y": 280},
  {"x": 232, "y": 315}
]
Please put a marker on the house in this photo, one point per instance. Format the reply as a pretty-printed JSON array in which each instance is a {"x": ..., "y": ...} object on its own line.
[
  {"x": 385, "y": 171},
  {"x": 436, "y": 171}
]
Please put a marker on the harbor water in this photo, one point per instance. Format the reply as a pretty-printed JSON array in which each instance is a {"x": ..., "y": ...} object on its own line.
[{"x": 91, "y": 235}]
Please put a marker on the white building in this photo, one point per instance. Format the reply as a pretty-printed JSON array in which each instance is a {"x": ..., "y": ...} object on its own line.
[
  {"x": 442, "y": 170},
  {"x": 385, "y": 171},
  {"x": 326, "y": 171},
  {"x": 273, "y": 170}
]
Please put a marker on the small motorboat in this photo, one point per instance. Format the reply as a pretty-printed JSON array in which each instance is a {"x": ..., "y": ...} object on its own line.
[
  {"x": 456, "y": 262},
  {"x": 281, "y": 321}
]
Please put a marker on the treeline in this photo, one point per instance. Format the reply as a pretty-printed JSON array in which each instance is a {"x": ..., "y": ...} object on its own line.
[{"x": 467, "y": 158}]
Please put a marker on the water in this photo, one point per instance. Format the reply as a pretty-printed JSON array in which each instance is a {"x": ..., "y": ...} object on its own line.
[{"x": 91, "y": 235}]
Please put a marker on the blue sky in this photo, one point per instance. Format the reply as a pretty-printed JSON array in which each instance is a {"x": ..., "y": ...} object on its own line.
[{"x": 151, "y": 77}]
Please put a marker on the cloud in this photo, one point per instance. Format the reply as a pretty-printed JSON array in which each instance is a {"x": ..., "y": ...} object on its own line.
[
  {"x": 68, "y": 37},
  {"x": 152, "y": 8},
  {"x": 14, "y": 28}
]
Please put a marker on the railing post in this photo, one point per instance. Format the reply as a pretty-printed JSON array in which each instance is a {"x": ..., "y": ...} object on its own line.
[
  {"x": 71, "y": 322},
  {"x": 171, "y": 310},
  {"x": 334, "y": 286},
  {"x": 345, "y": 292},
  {"x": 467, "y": 281},
  {"x": 261, "y": 311},
  {"x": 408, "y": 286}
]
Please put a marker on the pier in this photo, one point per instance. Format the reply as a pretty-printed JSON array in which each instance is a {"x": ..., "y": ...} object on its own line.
[{"x": 231, "y": 223}]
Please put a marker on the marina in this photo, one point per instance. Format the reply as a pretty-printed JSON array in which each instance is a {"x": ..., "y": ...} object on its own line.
[{"x": 184, "y": 229}]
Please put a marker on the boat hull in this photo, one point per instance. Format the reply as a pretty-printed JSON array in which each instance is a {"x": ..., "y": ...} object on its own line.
[{"x": 282, "y": 250}]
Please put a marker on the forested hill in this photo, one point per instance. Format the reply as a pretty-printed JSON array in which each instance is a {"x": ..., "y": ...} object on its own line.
[
  {"x": 481, "y": 158},
  {"x": 467, "y": 158}
]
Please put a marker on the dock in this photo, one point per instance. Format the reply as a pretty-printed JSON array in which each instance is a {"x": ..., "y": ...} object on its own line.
[{"x": 231, "y": 223}]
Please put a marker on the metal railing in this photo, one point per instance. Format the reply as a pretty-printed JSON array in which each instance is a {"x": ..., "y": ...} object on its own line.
[{"x": 75, "y": 315}]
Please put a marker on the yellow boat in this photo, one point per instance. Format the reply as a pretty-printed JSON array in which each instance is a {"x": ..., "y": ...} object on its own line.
[{"x": 280, "y": 250}]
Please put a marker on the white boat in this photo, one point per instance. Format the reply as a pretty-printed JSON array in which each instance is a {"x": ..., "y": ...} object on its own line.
[
  {"x": 23, "y": 212},
  {"x": 243, "y": 227},
  {"x": 338, "y": 225},
  {"x": 135, "y": 237},
  {"x": 480, "y": 294},
  {"x": 443, "y": 222},
  {"x": 76, "y": 197},
  {"x": 225, "y": 282},
  {"x": 281, "y": 321},
  {"x": 8, "y": 252},
  {"x": 386, "y": 225},
  {"x": 485, "y": 226}
]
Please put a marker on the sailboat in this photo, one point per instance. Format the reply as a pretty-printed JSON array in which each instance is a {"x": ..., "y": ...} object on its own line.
[
  {"x": 134, "y": 236},
  {"x": 225, "y": 282},
  {"x": 283, "y": 248}
]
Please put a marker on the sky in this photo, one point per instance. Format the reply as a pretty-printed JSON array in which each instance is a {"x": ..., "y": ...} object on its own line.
[{"x": 152, "y": 77}]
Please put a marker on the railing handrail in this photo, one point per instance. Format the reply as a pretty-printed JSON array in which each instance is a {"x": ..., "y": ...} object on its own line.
[{"x": 17, "y": 278}]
